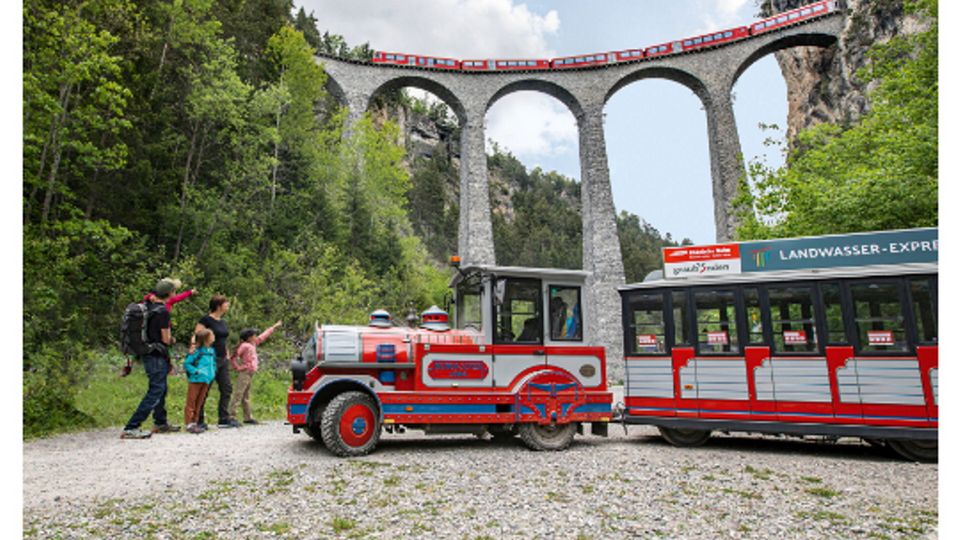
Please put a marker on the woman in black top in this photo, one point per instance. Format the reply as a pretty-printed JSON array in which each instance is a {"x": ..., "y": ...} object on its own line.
[{"x": 213, "y": 321}]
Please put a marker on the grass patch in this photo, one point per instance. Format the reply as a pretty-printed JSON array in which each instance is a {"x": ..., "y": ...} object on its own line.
[
  {"x": 811, "y": 479},
  {"x": 109, "y": 400},
  {"x": 391, "y": 481},
  {"x": 833, "y": 518},
  {"x": 342, "y": 524},
  {"x": 742, "y": 493},
  {"x": 824, "y": 492},
  {"x": 759, "y": 474},
  {"x": 276, "y": 528}
]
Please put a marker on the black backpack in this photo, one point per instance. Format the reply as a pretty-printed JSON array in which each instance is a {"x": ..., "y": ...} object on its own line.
[{"x": 133, "y": 329}]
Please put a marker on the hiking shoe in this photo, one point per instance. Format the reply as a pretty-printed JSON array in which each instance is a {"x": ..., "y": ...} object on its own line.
[
  {"x": 251, "y": 422},
  {"x": 166, "y": 428},
  {"x": 135, "y": 434},
  {"x": 194, "y": 428},
  {"x": 203, "y": 426},
  {"x": 229, "y": 424}
]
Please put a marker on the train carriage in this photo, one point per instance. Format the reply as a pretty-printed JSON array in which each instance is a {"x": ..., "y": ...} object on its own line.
[
  {"x": 832, "y": 336},
  {"x": 663, "y": 49},
  {"x": 398, "y": 59},
  {"x": 514, "y": 363},
  {"x": 794, "y": 16},
  {"x": 584, "y": 60},
  {"x": 714, "y": 39},
  {"x": 402, "y": 59}
]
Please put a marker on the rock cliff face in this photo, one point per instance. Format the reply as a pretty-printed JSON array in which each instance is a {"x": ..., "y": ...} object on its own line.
[{"x": 822, "y": 85}]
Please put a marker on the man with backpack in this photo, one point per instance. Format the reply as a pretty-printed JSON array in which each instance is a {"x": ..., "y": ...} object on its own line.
[{"x": 147, "y": 334}]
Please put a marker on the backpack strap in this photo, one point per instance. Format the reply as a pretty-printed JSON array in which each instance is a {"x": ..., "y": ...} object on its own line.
[{"x": 147, "y": 314}]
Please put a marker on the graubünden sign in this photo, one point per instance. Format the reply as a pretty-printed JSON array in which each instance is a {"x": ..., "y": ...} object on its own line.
[{"x": 859, "y": 249}]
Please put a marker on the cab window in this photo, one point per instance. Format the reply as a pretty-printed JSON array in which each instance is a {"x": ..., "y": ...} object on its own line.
[
  {"x": 565, "y": 318},
  {"x": 516, "y": 306},
  {"x": 469, "y": 315}
]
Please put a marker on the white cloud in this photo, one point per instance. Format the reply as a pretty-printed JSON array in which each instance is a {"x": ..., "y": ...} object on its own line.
[
  {"x": 455, "y": 28},
  {"x": 722, "y": 14},
  {"x": 532, "y": 125}
]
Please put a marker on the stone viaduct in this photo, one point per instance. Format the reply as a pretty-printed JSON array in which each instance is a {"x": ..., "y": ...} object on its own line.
[{"x": 709, "y": 74}]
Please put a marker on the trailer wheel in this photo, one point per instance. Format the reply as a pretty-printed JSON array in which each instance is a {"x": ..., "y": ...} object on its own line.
[
  {"x": 684, "y": 437},
  {"x": 915, "y": 450},
  {"x": 350, "y": 425},
  {"x": 547, "y": 437}
]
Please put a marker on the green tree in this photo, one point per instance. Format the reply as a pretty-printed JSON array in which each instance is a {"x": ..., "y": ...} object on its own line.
[
  {"x": 307, "y": 25},
  {"x": 880, "y": 173}
]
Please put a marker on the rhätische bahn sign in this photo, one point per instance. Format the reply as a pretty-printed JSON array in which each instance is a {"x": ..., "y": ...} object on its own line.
[{"x": 859, "y": 249}]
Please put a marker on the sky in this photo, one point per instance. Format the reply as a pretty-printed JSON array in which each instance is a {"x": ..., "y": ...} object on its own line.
[{"x": 656, "y": 131}]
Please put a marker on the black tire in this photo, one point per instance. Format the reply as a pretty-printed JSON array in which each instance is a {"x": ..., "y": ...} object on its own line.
[
  {"x": 684, "y": 437},
  {"x": 350, "y": 424},
  {"x": 547, "y": 437},
  {"x": 915, "y": 450},
  {"x": 313, "y": 430}
]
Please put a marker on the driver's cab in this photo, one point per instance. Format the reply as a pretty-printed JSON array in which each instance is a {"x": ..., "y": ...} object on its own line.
[{"x": 512, "y": 305}]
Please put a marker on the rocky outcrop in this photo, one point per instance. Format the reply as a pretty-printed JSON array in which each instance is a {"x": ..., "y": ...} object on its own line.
[{"x": 822, "y": 84}]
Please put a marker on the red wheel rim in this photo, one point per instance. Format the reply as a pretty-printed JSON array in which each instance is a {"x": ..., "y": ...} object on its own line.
[{"x": 356, "y": 425}]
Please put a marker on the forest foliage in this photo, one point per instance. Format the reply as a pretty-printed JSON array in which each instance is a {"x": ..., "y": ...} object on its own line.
[
  {"x": 878, "y": 173},
  {"x": 194, "y": 138}
]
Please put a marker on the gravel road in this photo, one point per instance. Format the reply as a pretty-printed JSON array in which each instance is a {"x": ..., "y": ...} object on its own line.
[{"x": 263, "y": 481}]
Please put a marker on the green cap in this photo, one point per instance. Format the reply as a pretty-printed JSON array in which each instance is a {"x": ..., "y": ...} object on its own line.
[{"x": 164, "y": 287}]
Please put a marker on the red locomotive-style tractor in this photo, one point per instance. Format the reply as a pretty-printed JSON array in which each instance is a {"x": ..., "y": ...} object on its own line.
[{"x": 514, "y": 363}]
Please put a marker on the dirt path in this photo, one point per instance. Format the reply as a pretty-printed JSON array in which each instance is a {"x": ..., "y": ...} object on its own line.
[{"x": 264, "y": 481}]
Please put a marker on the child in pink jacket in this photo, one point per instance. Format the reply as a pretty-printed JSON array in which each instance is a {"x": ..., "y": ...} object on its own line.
[{"x": 245, "y": 361}]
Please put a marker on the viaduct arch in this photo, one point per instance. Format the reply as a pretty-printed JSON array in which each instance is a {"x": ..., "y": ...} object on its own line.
[{"x": 710, "y": 74}]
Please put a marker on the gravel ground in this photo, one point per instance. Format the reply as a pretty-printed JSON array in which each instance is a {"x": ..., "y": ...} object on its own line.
[{"x": 263, "y": 481}]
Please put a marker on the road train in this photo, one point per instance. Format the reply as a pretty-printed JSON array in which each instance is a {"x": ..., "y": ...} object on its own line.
[
  {"x": 686, "y": 45},
  {"x": 829, "y": 337}
]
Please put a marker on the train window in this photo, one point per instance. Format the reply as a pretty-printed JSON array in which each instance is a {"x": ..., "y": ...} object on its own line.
[
  {"x": 806, "y": 11},
  {"x": 728, "y": 34},
  {"x": 390, "y": 57},
  {"x": 751, "y": 300},
  {"x": 716, "y": 321},
  {"x": 565, "y": 322},
  {"x": 517, "y": 311},
  {"x": 833, "y": 311},
  {"x": 698, "y": 41},
  {"x": 469, "y": 313},
  {"x": 782, "y": 18},
  {"x": 879, "y": 317},
  {"x": 647, "y": 323},
  {"x": 791, "y": 313},
  {"x": 401, "y": 57},
  {"x": 681, "y": 319},
  {"x": 686, "y": 43},
  {"x": 924, "y": 309},
  {"x": 793, "y": 16},
  {"x": 818, "y": 8}
]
